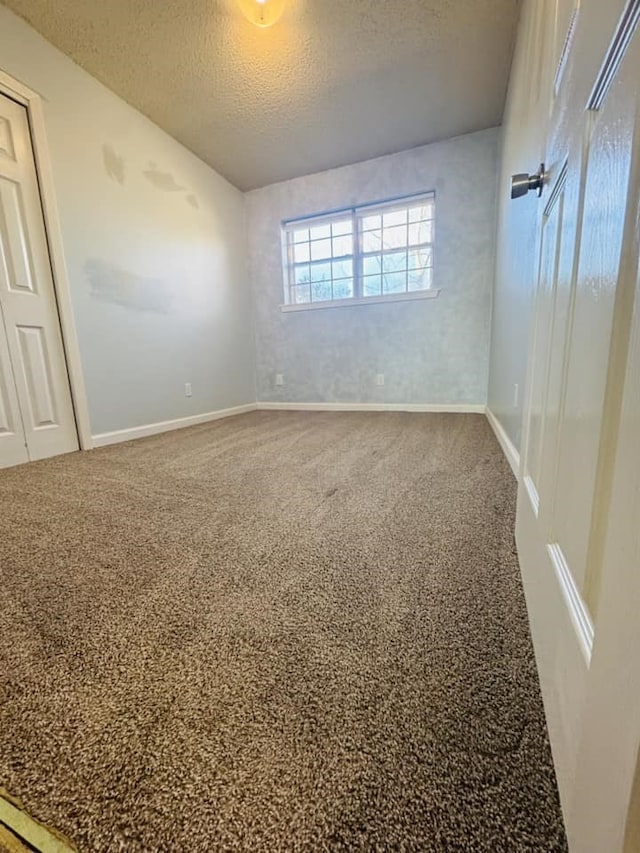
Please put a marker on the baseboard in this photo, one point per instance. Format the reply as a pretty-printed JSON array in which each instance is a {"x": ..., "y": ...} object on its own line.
[
  {"x": 508, "y": 447},
  {"x": 119, "y": 435},
  {"x": 372, "y": 407}
]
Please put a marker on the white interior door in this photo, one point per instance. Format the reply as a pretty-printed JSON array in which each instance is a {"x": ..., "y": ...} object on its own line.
[
  {"x": 35, "y": 398},
  {"x": 577, "y": 508}
]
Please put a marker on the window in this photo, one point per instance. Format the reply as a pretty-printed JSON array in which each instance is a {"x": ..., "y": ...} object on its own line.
[{"x": 373, "y": 252}]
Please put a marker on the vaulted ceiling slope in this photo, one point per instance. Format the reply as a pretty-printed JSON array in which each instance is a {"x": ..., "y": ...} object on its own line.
[{"x": 333, "y": 82}]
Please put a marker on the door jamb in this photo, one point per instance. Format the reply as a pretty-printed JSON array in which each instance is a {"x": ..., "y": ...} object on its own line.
[{"x": 25, "y": 96}]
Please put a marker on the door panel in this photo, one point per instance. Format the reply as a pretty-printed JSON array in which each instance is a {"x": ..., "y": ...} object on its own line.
[
  {"x": 27, "y": 298},
  {"x": 605, "y": 808},
  {"x": 607, "y": 184},
  {"x": 543, "y": 337},
  {"x": 547, "y": 579},
  {"x": 37, "y": 373},
  {"x": 16, "y": 252},
  {"x": 568, "y": 190},
  {"x": 13, "y": 447},
  {"x": 7, "y": 148}
]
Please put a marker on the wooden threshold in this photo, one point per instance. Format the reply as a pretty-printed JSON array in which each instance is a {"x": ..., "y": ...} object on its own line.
[{"x": 20, "y": 833}]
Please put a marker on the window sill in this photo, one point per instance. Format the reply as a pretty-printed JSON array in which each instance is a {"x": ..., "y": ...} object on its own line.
[{"x": 367, "y": 300}]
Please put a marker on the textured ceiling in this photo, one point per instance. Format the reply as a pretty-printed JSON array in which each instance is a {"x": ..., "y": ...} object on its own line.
[{"x": 333, "y": 82}]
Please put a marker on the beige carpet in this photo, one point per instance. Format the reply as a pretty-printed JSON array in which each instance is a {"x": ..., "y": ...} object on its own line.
[{"x": 277, "y": 632}]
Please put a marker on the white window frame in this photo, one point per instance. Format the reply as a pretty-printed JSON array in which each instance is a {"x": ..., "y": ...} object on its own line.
[{"x": 357, "y": 212}]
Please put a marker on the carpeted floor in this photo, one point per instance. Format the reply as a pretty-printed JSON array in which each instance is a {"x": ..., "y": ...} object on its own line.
[{"x": 278, "y": 632}]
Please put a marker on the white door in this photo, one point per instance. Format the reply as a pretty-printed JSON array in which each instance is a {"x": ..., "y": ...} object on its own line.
[
  {"x": 36, "y": 412},
  {"x": 578, "y": 506}
]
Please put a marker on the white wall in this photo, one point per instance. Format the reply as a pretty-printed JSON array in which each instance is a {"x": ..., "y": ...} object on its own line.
[
  {"x": 523, "y": 146},
  {"x": 155, "y": 245},
  {"x": 431, "y": 351}
]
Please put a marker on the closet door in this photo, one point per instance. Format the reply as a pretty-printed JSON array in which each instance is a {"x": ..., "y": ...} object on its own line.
[{"x": 32, "y": 362}]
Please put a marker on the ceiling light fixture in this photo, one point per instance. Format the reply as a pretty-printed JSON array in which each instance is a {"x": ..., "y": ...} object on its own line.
[{"x": 262, "y": 13}]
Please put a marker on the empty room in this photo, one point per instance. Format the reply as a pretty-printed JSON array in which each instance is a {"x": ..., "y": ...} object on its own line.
[{"x": 319, "y": 417}]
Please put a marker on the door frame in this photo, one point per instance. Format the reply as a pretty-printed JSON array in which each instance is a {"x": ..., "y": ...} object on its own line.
[{"x": 32, "y": 101}]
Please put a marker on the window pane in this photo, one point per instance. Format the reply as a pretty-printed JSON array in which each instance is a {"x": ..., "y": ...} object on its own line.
[
  {"x": 342, "y": 246},
  {"x": 321, "y": 272},
  {"x": 395, "y": 217},
  {"x": 301, "y": 274},
  {"x": 320, "y": 249},
  {"x": 301, "y": 294},
  {"x": 372, "y": 285},
  {"x": 372, "y": 265},
  {"x": 343, "y": 288},
  {"x": 371, "y": 241},
  {"x": 422, "y": 257},
  {"x": 321, "y": 291},
  {"x": 319, "y": 232},
  {"x": 390, "y": 246},
  {"x": 301, "y": 252},
  {"x": 368, "y": 223},
  {"x": 394, "y": 261},
  {"x": 342, "y": 269},
  {"x": 421, "y": 232},
  {"x": 395, "y": 238},
  {"x": 395, "y": 282},
  {"x": 421, "y": 211},
  {"x": 345, "y": 226},
  {"x": 420, "y": 279}
]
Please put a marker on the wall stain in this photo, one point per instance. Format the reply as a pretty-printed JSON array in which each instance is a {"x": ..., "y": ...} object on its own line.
[
  {"x": 113, "y": 164},
  {"x": 193, "y": 201},
  {"x": 162, "y": 180},
  {"x": 110, "y": 283}
]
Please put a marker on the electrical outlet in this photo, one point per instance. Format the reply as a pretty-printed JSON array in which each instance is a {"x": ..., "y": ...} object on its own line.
[
  {"x": 279, "y": 379},
  {"x": 516, "y": 395},
  {"x": 379, "y": 379},
  {"x": 187, "y": 389}
]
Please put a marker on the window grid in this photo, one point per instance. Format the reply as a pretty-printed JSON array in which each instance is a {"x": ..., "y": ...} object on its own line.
[
  {"x": 365, "y": 252},
  {"x": 320, "y": 261},
  {"x": 396, "y": 250}
]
